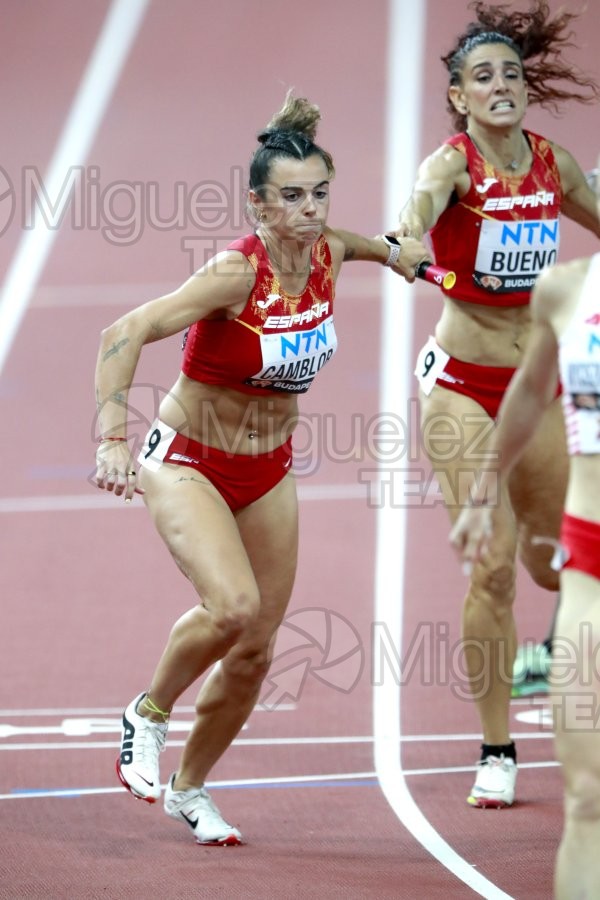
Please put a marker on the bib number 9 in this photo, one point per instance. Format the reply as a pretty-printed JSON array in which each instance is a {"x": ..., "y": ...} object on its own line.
[
  {"x": 431, "y": 362},
  {"x": 153, "y": 442},
  {"x": 428, "y": 362}
]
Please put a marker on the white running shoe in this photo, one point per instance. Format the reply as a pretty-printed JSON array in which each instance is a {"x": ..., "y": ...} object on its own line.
[
  {"x": 197, "y": 810},
  {"x": 494, "y": 786},
  {"x": 141, "y": 743},
  {"x": 532, "y": 661}
]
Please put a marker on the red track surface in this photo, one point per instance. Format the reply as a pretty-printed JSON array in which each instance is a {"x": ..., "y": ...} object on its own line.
[{"x": 88, "y": 593}]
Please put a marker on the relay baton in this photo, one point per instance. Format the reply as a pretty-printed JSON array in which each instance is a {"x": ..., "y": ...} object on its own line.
[{"x": 436, "y": 275}]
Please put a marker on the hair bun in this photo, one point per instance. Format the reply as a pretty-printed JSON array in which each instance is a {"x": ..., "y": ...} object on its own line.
[
  {"x": 264, "y": 136},
  {"x": 282, "y": 138}
]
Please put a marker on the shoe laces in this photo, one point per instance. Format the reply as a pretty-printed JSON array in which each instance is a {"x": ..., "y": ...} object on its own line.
[
  {"x": 498, "y": 762},
  {"x": 152, "y": 739},
  {"x": 199, "y": 802}
]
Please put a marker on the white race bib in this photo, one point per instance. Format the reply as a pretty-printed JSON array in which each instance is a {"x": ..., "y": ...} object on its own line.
[
  {"x": 291, "y": 359},
  {"x": 511, "y": 255},
  {"x": 431, "y": 362},
  {"x": 157, "y": 442}
]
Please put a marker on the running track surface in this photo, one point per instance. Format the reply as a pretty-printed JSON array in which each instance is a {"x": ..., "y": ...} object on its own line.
[{"x": 88, "y": 593}]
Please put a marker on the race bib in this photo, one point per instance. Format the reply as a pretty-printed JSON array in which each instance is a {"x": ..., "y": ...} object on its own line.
[
  {"x": 157, "y": 442},
  {"x": 511, "y": 255},
  {"x": 291, "y": 359},
  {"x": 431, "y": 362}
]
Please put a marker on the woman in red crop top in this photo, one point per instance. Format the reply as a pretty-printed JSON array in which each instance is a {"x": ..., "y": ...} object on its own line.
[
  {"x": 490, "y": 198},
  {"x": 565, "y": 340},
  {"x": 216, "y": 466}
]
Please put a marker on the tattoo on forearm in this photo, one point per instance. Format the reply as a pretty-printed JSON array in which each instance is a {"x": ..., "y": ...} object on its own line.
[
  {"x": 115, "y": 349},
  {"x": 349, "y": 253}
]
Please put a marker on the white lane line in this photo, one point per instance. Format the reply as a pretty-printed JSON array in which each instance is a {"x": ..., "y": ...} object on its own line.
[
  {"x": 284, "y": 780},
  {"x": 114, "y": 711},
  {"x": 101, "y": 500},
  {"x": 95, "y": 90},
  {"x": 250, "y": 742},
  {"x": 107, "y": 745},
  {"x": 404, "y": 110},
  {"x": 238, "y": 783}
]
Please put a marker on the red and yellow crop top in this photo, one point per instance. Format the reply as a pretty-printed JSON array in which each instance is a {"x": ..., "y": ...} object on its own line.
[
  {"x": 279, "y": 341},
  {"x": 504, "y": 231}
]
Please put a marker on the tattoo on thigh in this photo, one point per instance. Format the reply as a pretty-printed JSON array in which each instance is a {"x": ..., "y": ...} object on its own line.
[{"x": 195, "y": 478}]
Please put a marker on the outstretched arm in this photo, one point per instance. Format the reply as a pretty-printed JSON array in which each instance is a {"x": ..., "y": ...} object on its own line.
[
  {"x": 438, "y": 177},
  {"x": 347, "y": 246}
]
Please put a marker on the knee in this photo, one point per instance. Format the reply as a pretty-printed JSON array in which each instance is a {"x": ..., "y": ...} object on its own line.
[
  {"x": 541, "y": 572},
  {"x": 536, "y": 555},
  {"x": 233, "y": 615},
  {"x": 547, "y": 579},
  {"x": 493, "y": 582},
  {"x": 246, "y": 667},
  {"x": 221, "y": 620}
]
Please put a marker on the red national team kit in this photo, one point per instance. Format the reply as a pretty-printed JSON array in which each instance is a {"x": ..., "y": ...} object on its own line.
[
  {"x": 504, "y": 231},
  {"x": 277, "y": 343},
  {"x": 497, "y": 238}
]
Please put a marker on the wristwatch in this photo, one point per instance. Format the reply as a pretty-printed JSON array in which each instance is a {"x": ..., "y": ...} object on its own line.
[{"x": 395, "y": 249}]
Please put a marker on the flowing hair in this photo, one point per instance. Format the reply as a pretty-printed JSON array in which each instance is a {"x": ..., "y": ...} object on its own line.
[{"x": 538, "y": 38}]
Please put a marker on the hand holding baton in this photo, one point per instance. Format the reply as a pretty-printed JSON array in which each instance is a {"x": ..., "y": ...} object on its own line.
[
  {"x": 436, "y": 274},
  {"x": 426, "y": 270}
]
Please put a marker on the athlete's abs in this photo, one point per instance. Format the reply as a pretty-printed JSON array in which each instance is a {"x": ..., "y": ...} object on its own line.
[
  {"x": 485, "y": 335},
  {"x": 227, "y": 419}
]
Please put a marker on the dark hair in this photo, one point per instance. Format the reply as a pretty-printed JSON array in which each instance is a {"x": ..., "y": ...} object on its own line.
[
  {"x": 537, "y": 38},
  {"x": 291, "y": 132}
]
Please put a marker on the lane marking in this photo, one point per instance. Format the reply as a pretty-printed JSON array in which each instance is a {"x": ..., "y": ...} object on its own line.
[
  {"x": 241, "y": 742},
  {"x": 95, "y": 89},
  {"x": 283, "y": 781},
  {"x": 86, "y": 727},
  {"x": 338, "y": 779},
  {"x": 404, "y": 110},
  {"x": 112, "y": 710},
  {"x": 102, "y": 501}
]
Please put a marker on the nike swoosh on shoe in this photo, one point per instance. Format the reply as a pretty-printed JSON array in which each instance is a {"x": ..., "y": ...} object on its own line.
[
  {"x": 149, "y": 783},
  {"x": 191, "y": 822}
]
